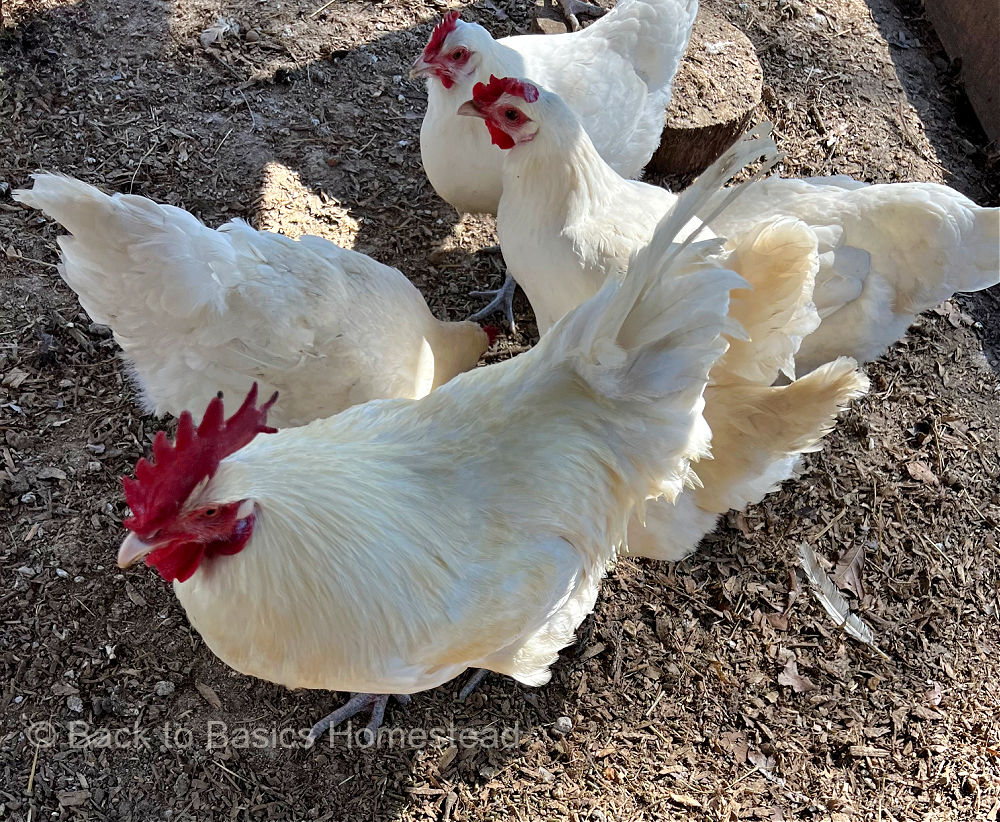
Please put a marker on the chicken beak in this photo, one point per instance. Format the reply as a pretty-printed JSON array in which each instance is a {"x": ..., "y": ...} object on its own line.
[
  {"x": 132, "y": 550},
  {"x": 470, "y": 108},
  {"x": 420, "y": 68}
]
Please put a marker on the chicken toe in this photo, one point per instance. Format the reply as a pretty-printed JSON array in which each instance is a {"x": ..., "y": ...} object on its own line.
[
  {"x": 376, "y": 703},
  {"x": 503, "y": 299},
  {"x": 572, "y": 8}
]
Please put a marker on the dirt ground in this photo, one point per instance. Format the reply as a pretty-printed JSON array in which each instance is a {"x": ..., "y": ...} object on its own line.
[{"x": 716, "y": 688}]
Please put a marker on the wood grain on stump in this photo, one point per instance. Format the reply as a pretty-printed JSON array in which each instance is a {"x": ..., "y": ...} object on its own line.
[{"x": 716, "y": 91}]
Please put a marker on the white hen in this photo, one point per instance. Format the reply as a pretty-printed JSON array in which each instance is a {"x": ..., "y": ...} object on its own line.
[
  {"x": 375, "y": 551},
  {"x": 198, "y": 310},
  {"x": 886, "y": 253},
  {"x": 616, "y": 75}
]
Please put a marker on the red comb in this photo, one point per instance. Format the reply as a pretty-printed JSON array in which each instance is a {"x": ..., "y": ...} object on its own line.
[
  {"x": 162, "y": 485},
  {"x": 492, "y": 332},
  {"x": 497, "y": 87},
  {"x": 447, "y": 25}
]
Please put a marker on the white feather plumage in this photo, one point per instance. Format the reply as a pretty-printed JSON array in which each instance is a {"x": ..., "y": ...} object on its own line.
[
  {"x": 388, "y": 556},
  {"x": 198, "y": 310},
  {"x": 616, "y": 75},
  {"x": 886, "y": 253}
]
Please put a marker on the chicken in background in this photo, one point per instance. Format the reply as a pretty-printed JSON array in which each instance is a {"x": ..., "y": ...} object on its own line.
[
  {"x": 616, "y": 75},
  {"x": 198, "y": 310},
  {"x": 567, "y": 222},
  {"x": 887, "y": 253},
  {"x": 374, "y": 551}
]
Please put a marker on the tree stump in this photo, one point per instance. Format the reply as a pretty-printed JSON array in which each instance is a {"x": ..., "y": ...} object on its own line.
[{"x": 716, "y": 91}]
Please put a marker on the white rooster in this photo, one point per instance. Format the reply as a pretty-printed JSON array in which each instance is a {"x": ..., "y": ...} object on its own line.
[
  {"x": 616, "y": 75},
  {"x": 374, "y": 551},
  {"x": 198, "y": 310},
  {"x": 567, "y": 221}
]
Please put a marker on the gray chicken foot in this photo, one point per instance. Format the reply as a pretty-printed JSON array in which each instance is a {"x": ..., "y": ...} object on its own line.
[
  {"x": 503, "y": 299},
  {"x": 376, "y": 703}
]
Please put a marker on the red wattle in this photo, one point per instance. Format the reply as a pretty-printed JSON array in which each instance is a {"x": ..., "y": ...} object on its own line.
[
  {"x": 179, "y": 560},
  {"x": 176, "y": 561},
  {"x": 500, "y": 138}
]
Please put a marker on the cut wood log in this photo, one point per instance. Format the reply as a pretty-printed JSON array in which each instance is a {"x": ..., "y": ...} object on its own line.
[{"x": 715, "y": 95}]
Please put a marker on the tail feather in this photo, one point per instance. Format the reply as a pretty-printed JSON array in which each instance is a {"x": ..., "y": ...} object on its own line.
[
  {"x": 984, "y": 272},
  {"x": 758, "y": 432},
  {"x": 127, "y": 250},
  {"x": 779, "y": 259},
  {"x": 944, "y": 243},
  {"x": 650, "y": 342},
  {"x": 180, "y": 297},
  {"x": 651, "y": 34},
  {"x": 758, "y": 435}
]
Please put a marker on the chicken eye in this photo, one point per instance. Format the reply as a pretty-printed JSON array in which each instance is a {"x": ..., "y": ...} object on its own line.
[
  {"x": 458, "y": 54},
  {"x": 209, "y": 513},
  {"x": 512, "y": 114}
]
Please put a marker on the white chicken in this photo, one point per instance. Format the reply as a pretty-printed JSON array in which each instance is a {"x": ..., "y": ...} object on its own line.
[
  {"x": 567, "y": 221},
  {"x": 198, "y": 310},
  {"x": 375, "y": 551},
  {"x": 887, "y": 253},
  {"x": 616, "y": 75}
]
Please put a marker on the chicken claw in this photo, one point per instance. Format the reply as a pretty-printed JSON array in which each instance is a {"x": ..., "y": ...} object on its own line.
[
  {"x": 503, "y": 298},
  {"x": 571, "y": 8},
  {"x": 376, "y": 703}
]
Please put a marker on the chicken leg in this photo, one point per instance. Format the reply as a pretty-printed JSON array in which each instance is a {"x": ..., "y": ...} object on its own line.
[
  {"x": 376, "y": 703},
  {"x": 503, "y": 299},
  {"x": 572, "y": 8},
  {"x": 477, "y": 676}
]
